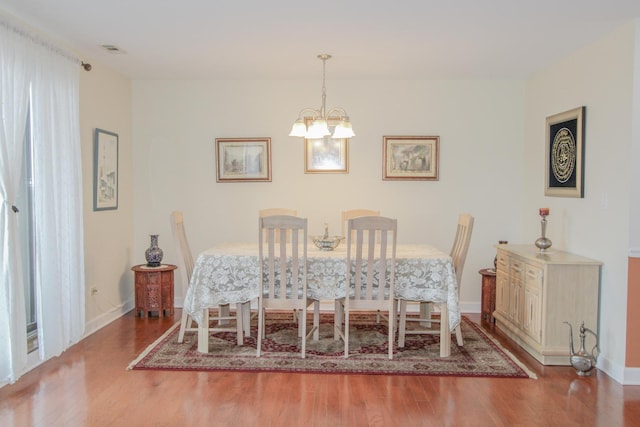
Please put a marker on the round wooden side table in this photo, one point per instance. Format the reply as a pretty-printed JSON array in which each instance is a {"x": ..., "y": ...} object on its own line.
[
  {"x": 154, "y": 289},
  {"x": 488, "y": 294}
]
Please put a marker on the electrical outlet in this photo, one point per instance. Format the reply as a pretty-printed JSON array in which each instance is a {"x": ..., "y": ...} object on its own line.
[{"x": 94, "y": 290}]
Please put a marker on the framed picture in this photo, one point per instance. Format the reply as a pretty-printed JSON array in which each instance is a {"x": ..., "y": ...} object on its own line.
[
  {"x": 105, "y": 170},
  {"x": 326, "y": 155},
  {"x": 410, "y": 158},
  {"x": 243, "y": 159},
  {"x": 564, "y": 161}
]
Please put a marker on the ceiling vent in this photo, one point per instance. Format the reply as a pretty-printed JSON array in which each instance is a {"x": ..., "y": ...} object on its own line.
[{"x": 112, "y": 49}]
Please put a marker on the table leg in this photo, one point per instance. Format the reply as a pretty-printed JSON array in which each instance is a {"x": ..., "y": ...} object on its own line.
[
  {"x": 203, "y": 332},
  {"x": 239, "y": 320},
  {"x": 425, "y": 313},
  {"x": 246, "y": 318},
  {"x": 445, "y": 332}
]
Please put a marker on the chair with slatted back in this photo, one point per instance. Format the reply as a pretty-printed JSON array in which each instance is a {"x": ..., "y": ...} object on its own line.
[
  {"x": 283, "y": 269},
  {"x": 355, "y": 213},
  {"x": 186, "y": 265},
  {"x": 370, "y": 273},
  {"x": 277, "y": 211},
  {"x": 458, "y": 255}
]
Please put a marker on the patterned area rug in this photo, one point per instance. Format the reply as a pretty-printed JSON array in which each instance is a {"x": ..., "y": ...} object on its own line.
[{"x": 481, "y": 355}]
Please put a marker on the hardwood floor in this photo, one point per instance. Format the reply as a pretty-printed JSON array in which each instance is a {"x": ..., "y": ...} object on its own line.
[{"x": 89, "y": 386}]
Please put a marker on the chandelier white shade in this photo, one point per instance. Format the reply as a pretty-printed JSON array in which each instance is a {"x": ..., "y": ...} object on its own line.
[{"x": 318, "y": 125}]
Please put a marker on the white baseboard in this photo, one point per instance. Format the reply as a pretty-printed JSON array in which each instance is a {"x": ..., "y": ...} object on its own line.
[
  {"x": 619, "y": 373},
  {"x": 106, "y": 318}
]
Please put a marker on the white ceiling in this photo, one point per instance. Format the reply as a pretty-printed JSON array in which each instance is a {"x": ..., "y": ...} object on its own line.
[{"x": 369, "y": 39}]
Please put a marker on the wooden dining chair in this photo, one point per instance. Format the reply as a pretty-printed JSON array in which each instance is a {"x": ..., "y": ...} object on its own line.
[
  {"x": 283, "y": 269},
  {"x": 355, "y": 213},
  {"x": 371, "y": 272},
  {"x": 186, "y": 264},
  {"x": 458, "y": 255},
  {"x": 277, "y": 211}
]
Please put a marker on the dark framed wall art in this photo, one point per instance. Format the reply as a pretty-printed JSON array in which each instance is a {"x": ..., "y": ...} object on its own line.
[{"x": 564, "y": 152}]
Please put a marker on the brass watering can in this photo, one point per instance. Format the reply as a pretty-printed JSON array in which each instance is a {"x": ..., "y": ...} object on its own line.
[{"x": 583, "y": 361}]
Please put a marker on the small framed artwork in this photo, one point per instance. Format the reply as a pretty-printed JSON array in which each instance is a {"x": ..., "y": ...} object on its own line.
[
  {"x": 564, "y": 159},
  {"x": 105, "y": 170},
  {"x": 326, "y": 155},
  {"x": 243, "y": 159},
  {"x": 410, "y": 158}
]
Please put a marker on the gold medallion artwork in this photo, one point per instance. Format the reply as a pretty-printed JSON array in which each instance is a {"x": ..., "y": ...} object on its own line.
[{"x": 563, "y": 155}]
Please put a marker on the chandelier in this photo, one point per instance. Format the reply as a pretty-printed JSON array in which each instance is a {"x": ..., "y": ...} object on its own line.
[{"x": 318, "y": 126}]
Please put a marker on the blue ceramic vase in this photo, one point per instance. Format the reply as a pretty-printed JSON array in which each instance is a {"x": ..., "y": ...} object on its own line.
[{"x": 153, "y": 254}]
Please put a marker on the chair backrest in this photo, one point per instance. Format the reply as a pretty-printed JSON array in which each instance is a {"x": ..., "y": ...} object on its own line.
[
  {"x": 182, "y": 245},
  {"x": 461, "y": 244},
  {"x": 355, "y": 213},
  {"x": 371, "y": 253},
  {"x": 283, "y": 265},
  {"x": 277, "y": 211}
]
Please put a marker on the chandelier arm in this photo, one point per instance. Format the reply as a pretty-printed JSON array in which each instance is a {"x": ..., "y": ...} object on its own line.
[
  {"x": 314, "y": 112},
  {"x": 342, "y": 112}
]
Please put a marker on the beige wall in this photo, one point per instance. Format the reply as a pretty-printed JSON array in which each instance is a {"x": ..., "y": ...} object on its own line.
[
  {"x": 479, "y": 124},
  {"x": 602, "y": 78},
  {"x": 105, "y": 103}
]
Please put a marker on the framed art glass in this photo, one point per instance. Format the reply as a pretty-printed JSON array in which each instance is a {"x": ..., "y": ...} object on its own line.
[
  {"x": 243, "y": 159},
  {"x": 105, "y": 170}
]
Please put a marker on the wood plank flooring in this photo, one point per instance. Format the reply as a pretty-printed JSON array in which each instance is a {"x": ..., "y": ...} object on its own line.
[{"x": 89, "y": 386}]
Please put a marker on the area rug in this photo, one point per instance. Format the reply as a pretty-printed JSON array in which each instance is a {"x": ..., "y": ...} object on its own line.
[{"x": 481, "y": 355}]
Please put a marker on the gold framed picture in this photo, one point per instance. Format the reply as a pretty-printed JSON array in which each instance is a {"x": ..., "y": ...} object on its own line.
[
  {"x": 327, "y": 154},
  {"x": 243, "y": 159},
  {"x": 409, "y": 158}
]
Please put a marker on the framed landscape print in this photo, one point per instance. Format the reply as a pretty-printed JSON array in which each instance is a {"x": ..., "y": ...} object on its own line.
[
  {"x": 410, "y": 158},
  {"x": 564, "y": 159},
  {"x": 326, "y": 155},
  {"x": 105, "y": 170},
  {"x": 243, "y": 159}
]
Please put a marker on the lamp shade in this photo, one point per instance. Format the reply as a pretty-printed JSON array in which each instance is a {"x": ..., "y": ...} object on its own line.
[
  {"x": 318, "y": 129},
  {"x": 343, "y": 130},
  {"x": 298, "y": 129}
]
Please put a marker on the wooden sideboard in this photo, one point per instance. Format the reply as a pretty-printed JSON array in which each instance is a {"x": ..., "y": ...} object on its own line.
[
  {"x": 537, "y": 291},
  {"x": 154, "y": 289}
]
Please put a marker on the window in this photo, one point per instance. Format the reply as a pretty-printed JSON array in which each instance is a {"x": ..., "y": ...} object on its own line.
[{"x": 27, "y": 236}]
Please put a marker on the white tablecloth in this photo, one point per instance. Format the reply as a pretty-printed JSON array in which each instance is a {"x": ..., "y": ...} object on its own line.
[{"x": 228, "y": 274}]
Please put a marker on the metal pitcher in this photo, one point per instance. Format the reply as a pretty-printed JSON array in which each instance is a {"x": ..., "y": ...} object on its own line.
[{"x": 583, "y": 361}]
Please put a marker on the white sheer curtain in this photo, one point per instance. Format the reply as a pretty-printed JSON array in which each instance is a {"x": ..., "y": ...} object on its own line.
[
  {"x": 57, "y": 202},
  {"x": 53, "y": 75},
  {"x": 14, "y": 98}
]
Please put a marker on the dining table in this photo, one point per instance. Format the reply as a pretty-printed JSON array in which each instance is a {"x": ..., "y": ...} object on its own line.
[{"x": 229, "y": 273}]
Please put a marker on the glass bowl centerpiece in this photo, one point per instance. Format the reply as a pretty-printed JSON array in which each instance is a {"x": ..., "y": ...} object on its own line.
[{"x": 326, "y": 242}]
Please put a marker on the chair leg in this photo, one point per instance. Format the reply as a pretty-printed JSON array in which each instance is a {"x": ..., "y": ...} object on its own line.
[
  {"x": 303, "y": 331},
  {"x": 459, "y": 336},
  {"x": 391, "y": 324},
  {"x": 316, "y": 320},
  {"x": 185, "y": 322},
  {"x": 338, "y": 315},
  {"x": 346, "y": 327},
  {"x": 260, "y": 327},
  {"x": 403, "y": 323}
]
